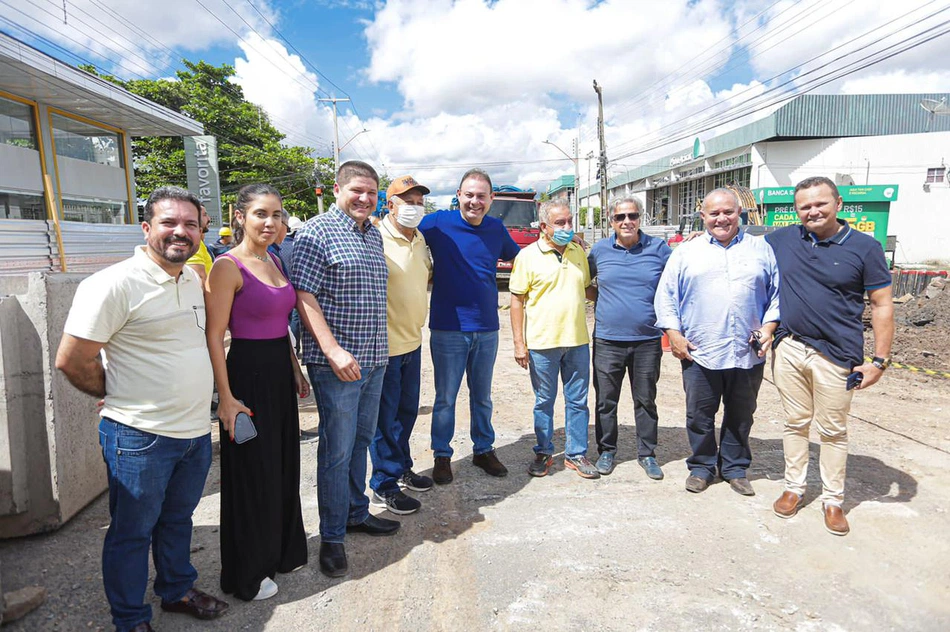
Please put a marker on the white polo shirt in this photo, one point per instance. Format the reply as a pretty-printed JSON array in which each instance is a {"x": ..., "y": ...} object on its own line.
[{"x": 158, "y": 373}]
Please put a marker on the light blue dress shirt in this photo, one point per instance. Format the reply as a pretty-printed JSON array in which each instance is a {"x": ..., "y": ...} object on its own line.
[{"x": 716, "y": 295}]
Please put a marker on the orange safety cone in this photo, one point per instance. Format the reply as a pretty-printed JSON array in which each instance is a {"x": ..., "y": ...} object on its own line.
[{"x": 665, "y": 343}]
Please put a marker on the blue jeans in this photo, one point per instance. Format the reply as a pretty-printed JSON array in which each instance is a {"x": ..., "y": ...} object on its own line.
[
  {"x": 398, "y": 408},
  {"x": 573, "y": 365},
  {"x": 155, "y": 483},
  {"x": 348, "y": 412},
  {"x": 737, "y": 390},
  {"x": 295, "y": 329},
  {"x": 455, "y": 353}
]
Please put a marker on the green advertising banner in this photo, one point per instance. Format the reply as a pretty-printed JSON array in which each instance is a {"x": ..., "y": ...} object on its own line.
[{"x": 865, "y": 208}]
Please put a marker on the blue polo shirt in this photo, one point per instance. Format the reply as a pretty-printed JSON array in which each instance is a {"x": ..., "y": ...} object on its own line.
[
  {"x": 823, "y": 285},
  {"x": 626, "y": 285},
  {"x": 464, "y": 258}
]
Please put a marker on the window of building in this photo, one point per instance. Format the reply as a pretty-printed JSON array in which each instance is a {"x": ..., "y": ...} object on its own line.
[
  {"x": 741, "y": 177},
  {"x": 743, "y": 159},
  {"x": 14, "y": 205},
  {"x": 936, "y": 174},
  {"x": 92, "y": 211},
  {"x": 82, "y": 141},
  {"x": 16, "y": 124},
  {"x": 691, "y": 197}
]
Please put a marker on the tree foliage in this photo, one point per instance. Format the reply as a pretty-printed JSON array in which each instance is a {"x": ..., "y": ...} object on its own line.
[{"x": 250, "y": 148}]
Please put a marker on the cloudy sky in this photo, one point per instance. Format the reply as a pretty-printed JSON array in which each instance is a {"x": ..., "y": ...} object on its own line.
[{"x": 442, "y": 85}]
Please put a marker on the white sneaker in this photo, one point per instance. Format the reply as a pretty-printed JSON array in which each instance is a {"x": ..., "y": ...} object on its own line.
[{"x": 268, "y": 589}]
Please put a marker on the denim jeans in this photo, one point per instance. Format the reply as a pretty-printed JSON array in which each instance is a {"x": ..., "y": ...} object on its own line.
[
  {"x": 737, "y": 390},
  {"x": 398, "y": 408},
  {"x": 294, "y": 323},
  {"x": 348, "y": 412},
  {"x": 155, "y": 483},
  {"x": 573, "y": 365},
  {"x": 640, "y": 361},
  {"x": 455, "y": 353}
]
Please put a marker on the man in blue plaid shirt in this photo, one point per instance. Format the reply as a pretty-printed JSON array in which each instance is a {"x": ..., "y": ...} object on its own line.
[{"x": 340, "y": 275}]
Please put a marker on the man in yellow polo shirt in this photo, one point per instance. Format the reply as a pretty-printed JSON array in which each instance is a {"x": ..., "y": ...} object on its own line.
[
  {"x": 202, "y": 260},
  {"x": 549, "y": 327},
  {"x": 410, "y": 267}
]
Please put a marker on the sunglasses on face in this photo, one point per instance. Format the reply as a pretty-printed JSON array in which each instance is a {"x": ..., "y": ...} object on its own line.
[{"x": 619, "y": 217}]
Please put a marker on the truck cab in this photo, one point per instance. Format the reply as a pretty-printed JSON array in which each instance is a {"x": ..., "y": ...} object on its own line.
[{"x": 518, "y": 211}]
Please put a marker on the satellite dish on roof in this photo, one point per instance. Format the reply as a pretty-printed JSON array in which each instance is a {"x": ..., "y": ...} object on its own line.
[{"x": 936, "y": 107}]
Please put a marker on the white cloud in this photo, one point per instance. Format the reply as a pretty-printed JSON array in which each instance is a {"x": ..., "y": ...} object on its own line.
[
  {"x": 138, "y": 39},
  {"x": 279, "y": 82}
]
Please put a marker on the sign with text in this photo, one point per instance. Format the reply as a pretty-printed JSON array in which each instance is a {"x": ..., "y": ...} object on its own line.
[{"x": 201, "y": 165}]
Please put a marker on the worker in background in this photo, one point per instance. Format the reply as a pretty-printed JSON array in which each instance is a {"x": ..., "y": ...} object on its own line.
[
  {"x": 224, "y": 242},
  {"x": 202, "y": 260}
]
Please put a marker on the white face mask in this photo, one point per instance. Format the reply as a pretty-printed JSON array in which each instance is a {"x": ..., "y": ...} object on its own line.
[{"x": 410, "y": 215}]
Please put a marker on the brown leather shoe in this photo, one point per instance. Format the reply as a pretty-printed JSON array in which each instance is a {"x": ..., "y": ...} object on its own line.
[
  {"x": 490, "y": 463},
  {"x": 835, "y": 522},
  {"x": 787, "y": 504},
  {"x": 143, "y": 627},
  {"x": 198, "y": 604},
  {"x": 442, "y": 472}
]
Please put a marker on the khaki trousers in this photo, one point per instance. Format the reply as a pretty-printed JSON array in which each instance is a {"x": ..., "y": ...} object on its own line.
[{"x": 813, "y": 388}]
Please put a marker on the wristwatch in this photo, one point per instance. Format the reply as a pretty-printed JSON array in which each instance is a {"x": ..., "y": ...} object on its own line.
[{"x": 880, "y": 363}]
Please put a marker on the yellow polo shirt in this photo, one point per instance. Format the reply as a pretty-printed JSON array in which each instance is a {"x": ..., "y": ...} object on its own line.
[
  {"x": 406, "y": 298},
  {"x": 553, "y": 290},
  {"x": 158, "y": 373},
  {"x": 202, "y": 258}
]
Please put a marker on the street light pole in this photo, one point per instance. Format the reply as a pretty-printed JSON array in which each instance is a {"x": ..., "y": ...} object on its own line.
[
  {"x": 576, "y": 205},
  {"x": 362, "y": 131},
  {"x": 336, "y": 135}
]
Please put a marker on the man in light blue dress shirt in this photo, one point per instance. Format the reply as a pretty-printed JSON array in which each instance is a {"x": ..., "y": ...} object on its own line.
[{"x": 718, "y": 302}]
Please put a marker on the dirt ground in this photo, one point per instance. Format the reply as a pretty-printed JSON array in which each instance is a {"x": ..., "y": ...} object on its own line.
[
  {"x": 619, "y": 553},
  {"x": 922, "y": 330}
]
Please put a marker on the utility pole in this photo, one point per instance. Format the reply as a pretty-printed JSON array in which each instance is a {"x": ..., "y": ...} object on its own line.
[
  {"x": 602, "y": 163},
  {"x": 590, "y": 210},
  {"x": 336, "y": 134},
  {"x": 577, "y": 175}
]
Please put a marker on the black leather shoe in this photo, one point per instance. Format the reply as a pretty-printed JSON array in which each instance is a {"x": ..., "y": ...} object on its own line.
[
  {"x": 374, "y": 526},
  {"x": 333, "y": 559}
]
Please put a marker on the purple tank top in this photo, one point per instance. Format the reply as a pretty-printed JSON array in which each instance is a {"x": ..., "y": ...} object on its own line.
[{"x": 260, "y": 311}]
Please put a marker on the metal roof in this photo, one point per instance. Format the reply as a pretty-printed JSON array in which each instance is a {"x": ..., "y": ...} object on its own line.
[
  {"x": 812, "y": 116},
  {"x": 564, "y": 182},
  {"x": 32, "y": 74}
]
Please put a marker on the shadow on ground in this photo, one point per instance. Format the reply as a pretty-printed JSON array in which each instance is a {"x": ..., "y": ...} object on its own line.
[{"x": 67, "y": 561}]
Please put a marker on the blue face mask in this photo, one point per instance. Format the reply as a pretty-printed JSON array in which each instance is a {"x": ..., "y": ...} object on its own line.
[{"x": 562, "y": 237}]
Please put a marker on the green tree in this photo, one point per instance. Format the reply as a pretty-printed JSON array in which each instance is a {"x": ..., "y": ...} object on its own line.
[{"x": 250, "y": 148}]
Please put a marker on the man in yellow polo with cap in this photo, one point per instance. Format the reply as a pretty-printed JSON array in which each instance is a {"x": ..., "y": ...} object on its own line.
[{"x": 409, "y": 270}]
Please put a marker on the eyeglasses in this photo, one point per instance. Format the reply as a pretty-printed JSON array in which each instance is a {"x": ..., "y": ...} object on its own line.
[{"x": 619, "y": 217}]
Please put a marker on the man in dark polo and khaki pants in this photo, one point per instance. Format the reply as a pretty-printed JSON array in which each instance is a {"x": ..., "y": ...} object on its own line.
[{"x": 826, "y": 267}]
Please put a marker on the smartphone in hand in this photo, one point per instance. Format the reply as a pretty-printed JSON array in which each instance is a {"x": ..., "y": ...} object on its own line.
[
  {"x": 755, "y": 340},
  {"x": 854, "y": 380},
  {"x": 244, "y": 429}
]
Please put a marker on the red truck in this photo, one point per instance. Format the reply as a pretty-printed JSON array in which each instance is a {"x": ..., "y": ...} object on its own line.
[{"x": 518, "y": 210}]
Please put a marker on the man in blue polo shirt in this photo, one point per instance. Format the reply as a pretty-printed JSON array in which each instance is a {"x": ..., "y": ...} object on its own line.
[
  {"x": 826, "y": 267},
  {"x": 718, "y": 302},
  {"x": 463, "y": 318},
  {"x": 627, "y": 270}
]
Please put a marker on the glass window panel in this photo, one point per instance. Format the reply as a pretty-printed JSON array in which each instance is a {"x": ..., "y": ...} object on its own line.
[
  {"x": 94, "y": 211},
  {"x": 16, "y": 124},
  {"x": 82, "y": 141},
  {"x": 14, "y": 205}
]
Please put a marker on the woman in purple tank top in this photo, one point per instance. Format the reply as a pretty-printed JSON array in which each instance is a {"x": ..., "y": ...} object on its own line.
[{"x": 262, "y": 530}]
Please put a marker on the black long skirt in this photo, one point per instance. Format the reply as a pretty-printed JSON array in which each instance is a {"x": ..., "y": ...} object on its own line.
[{"x": 262, "y": 530}]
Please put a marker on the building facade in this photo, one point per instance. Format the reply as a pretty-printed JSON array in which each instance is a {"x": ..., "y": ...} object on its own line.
[{"x": 852, "y": 139}]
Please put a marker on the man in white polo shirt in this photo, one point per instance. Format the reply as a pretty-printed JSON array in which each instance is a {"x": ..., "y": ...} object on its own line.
[
  {"x": 146, "y": 318},
  {"x": 409, "y": 270}
]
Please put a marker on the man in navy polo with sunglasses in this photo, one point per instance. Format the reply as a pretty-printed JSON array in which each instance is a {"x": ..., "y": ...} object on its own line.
[{"x": 626, "y": 270}]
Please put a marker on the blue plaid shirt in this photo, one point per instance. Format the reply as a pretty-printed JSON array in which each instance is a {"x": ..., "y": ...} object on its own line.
[{"x": 345, "y": 270}]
